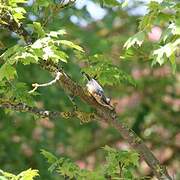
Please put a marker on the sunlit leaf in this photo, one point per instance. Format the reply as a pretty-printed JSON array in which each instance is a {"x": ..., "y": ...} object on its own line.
[
  {"x": 70, "y": 44},
  {"x": 57, "y": 33},
  {"x": 29, "y": 174},
  {"x": 137, "y": 39}
]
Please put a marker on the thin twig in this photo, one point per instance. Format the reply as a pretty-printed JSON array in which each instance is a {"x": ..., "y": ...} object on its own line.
[{"x": 36, "y": 85}]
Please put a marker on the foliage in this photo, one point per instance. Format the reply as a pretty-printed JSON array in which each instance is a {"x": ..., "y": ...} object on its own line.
[
  {"x": 101, "y": 67},
  {"x": 119, "y": 165},
  {"x": 13, "y": 8},
  {"x": 45, "y": 48},
  {"x": 168, "y": 45},
  {"x": 29, "y": 174}
]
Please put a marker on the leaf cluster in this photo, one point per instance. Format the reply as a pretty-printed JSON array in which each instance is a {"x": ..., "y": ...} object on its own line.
[
  {"x": 29, "y": 174},
  {"x": 119, "y": 165},
  {"x": 166, "y": 48},
  {"x": 106, "y": 72}
]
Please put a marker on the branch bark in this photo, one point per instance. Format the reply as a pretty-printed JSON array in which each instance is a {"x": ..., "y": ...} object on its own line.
[{"x": 84, "y": 117}]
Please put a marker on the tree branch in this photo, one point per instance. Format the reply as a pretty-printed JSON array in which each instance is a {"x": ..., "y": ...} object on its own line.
[{"x": 22, "y": 107}]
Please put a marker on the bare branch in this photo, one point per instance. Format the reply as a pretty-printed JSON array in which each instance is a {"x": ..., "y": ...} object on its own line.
[{"x": 36, "y": 85}]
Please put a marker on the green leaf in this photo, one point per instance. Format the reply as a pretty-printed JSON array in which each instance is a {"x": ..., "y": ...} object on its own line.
[
  {"x": 134, "y": 158},
  {"x": 111, "y": 2},
  {"x": 172, "y": 59},
  {"x": 7, "y": 71},
  {"x": 57, "y": 33},
  {"x": 15, "y": 2},
  {"x": 37, "y": 52},
  {"x": 43, "y": 42},
  {"x": 70, "y": 44},
  {"x": 7, "y": 175},
  {"x": 6, "y": 56},
  {"x": 108, "y": 74},
  {"x": 29, "y": 174},
  {"x": 19, "y": 92},
  {"x": 43, "y": 3},
  {"x": 38, "y": 28},
  {"x": 27, "y": 58},
  {"x": 125, "y": 3},
  {"x": 109, "y": 149},
  {"x": 60, "y": 55},
  {"x": 167, "y": 51},
  {"x": 137, "y": 39},
  {"x": 115, "y": 159},
  {"x": 55, "y": 165},
  {"x": 147, "y": 21},
  {"x": 68, "y": 169},
  {"x": 164, "y": 50},
  {"x": 49, "y": 156},
  {"x": 19, "y": 10},
  {"x": 173, "y": 29}
]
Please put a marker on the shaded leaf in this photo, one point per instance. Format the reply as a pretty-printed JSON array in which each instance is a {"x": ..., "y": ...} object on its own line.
[
  {"x": 7, "y": 71},
  {"x": 111, "y": 2},
  {"x": 49, "y": 156}
]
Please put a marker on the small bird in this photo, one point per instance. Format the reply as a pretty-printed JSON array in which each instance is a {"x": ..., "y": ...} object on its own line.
[{"x": 97, "y": 91}]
